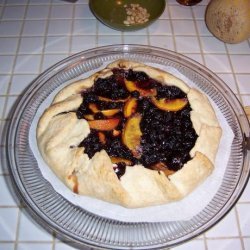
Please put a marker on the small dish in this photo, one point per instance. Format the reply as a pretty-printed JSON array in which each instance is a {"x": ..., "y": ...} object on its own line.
[{"x": 113, "y": 12}]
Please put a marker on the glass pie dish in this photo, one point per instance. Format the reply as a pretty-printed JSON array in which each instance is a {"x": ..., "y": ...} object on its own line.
[{"x": 72, "y": 222}]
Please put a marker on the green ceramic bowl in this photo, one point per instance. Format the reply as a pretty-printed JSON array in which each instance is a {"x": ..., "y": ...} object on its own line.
[{"x": 113, "y": 14}]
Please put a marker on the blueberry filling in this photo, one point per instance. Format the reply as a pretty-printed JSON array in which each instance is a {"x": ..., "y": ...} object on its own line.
[{"x": 167, "y": 136}]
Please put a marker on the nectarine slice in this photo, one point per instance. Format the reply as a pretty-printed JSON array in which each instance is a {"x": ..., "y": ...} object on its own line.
[
  {"x": 116, "y": 132},
  {"x": 105, "y": 99},
  {"x": 130, "y": 107},
  {"x": 93, "y": 107},
  {"x": 131, "y": 86},
  {"x": 110, "y": 112},
  {"x": 116, "y": 160},
  {"x": 89, "y": 117},
  {"x": 107, "y": 112},
  {"x": 170, "y": 105},
  {"x": 102, "y": 137},
  {"x": 104, "y": 125},
  {"x": 131, "y": 134}
]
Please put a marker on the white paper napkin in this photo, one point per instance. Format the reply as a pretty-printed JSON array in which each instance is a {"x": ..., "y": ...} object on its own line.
[{"x": 181, "y": 210}]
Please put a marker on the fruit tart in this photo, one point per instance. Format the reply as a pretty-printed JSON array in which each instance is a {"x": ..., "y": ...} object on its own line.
[{"x": 130, "y": 134}]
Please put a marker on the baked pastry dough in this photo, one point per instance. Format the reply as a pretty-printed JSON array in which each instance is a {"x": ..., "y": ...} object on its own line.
[{"x": 59, "y": 132}]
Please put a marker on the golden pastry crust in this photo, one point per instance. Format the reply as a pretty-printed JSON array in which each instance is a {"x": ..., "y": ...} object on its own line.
[{"x": 59, "y": 134}]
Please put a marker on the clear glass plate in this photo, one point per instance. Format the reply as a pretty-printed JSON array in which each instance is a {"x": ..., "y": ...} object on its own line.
[{"x": 84, "y": 228}]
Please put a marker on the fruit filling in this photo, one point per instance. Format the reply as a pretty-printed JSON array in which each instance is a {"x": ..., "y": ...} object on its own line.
[{"x": 137, "y": 120}]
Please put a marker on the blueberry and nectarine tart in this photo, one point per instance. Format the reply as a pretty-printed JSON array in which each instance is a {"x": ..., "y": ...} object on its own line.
[{"x": 130, "y": 134}]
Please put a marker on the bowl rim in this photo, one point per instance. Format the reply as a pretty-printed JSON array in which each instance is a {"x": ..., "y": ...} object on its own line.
[{"x": 123, "y": 27}]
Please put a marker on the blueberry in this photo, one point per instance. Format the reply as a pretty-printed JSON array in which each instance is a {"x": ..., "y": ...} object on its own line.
[
  {"x": 110, "y": 88},
  {"x": 170, "y": 92},
  {"x": 166, "y": 136},
  {"x": 91, "y": 144},
  {"x": 99, "y": 116},
  {"x": 89, "y": 97},
  {"x": 135, "y": 94},
  {"x": 120, "y": 169},
  {"x": 82, "y": 110},
  {"x": 137, "y": 76}
]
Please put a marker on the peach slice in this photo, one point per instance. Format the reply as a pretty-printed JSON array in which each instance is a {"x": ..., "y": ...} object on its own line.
[
  {"x": 93, "y": 108},
  {"x": 110, "y": 112},
  {"x": 130, "y": 107},
  {"x": 102, "y": 137},
  {"x": 104, "y": 125},
  {"x": 170, "y": 105},
  {"x": 116, "y": 160},
  {"x": 131, "y": 134},
  {"x": 116, "y": 132},
  {"x": 105, "y": 99},
  {"x": 107, "y": 112},
  {"x": 160, "y": 166},
  {"x": 131, "y": 86},
  {"x": 89, "y": 117}
]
